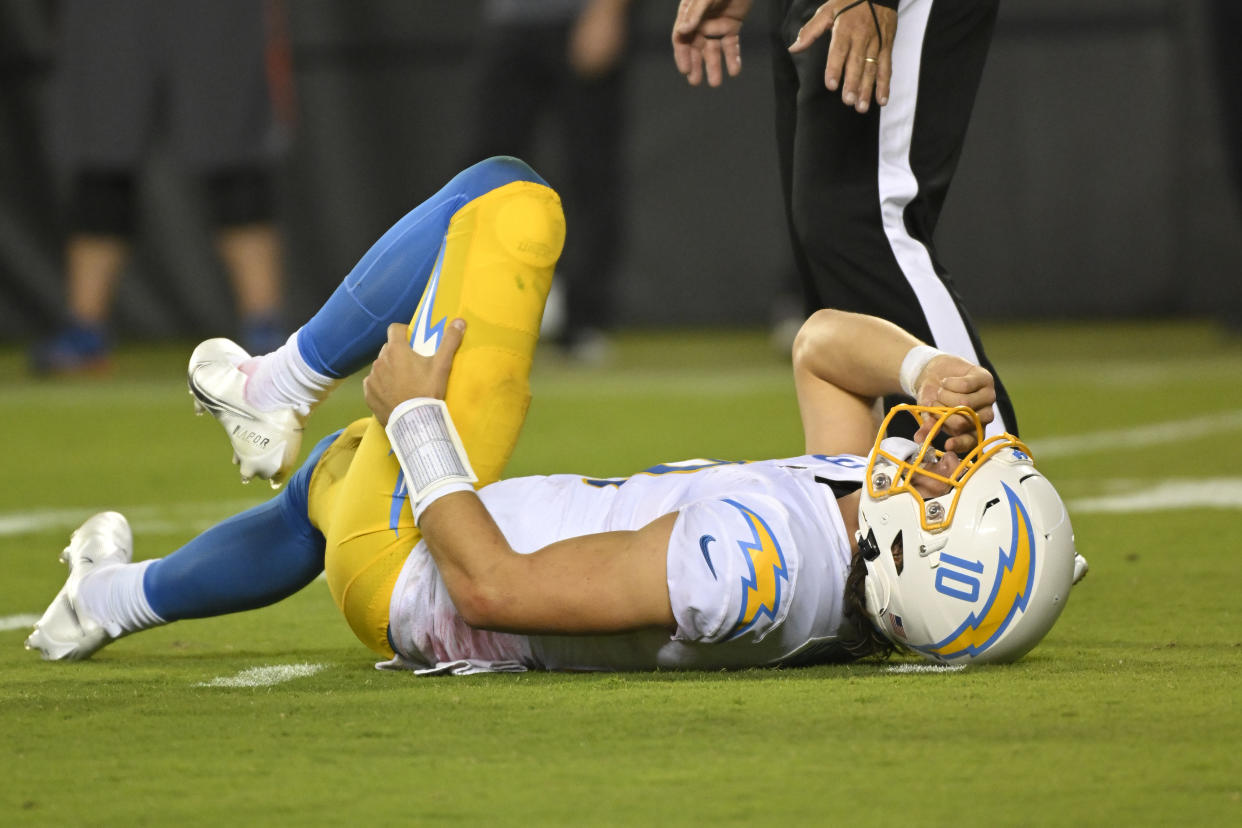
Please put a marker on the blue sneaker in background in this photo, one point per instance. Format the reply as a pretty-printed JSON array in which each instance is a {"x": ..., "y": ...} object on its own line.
[{"x": 76, "y": 349}]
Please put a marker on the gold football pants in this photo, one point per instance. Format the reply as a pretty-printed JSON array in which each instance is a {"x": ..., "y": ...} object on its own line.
[{"x": 499, "y": 253}]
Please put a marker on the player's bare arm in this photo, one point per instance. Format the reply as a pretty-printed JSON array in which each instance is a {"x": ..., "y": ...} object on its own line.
[
  {"x": 860, "y": 55},
  {"x": 845, "y": 362},
  {"x": 608, "y": 582},
  {"x": 600, "y": 583}
]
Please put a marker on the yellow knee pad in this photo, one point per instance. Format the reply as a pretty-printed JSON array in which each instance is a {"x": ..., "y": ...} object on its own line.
[{"x": 500, "y": 252}]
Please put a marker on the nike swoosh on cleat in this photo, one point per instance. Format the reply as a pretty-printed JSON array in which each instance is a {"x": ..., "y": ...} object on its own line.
[{"x": 215, "y": 406}]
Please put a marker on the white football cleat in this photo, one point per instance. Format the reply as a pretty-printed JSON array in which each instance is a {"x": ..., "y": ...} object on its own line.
[
  {"x": 64, "y": 633},
  {"x": 265, "y": 443}
]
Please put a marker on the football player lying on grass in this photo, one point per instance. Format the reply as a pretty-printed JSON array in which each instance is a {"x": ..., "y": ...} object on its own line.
[{"x": 951, "y": 546}]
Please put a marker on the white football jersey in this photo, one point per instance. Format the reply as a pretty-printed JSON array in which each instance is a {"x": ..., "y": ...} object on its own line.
[{"x": 757, "y": 563}]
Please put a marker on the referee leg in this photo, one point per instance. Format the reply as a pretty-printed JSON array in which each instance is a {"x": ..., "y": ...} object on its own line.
[{"x": 864, "y": 192}]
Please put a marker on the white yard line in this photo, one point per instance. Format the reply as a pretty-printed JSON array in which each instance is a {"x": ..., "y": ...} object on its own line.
[
  {"x": 23, "y": 398},
  {"x": 1167, "y": 495},
  {"x": 150, "y": 518},
  {"x": 1126, "y": 374},
  {"x": 924, "y": 668},
  {"x": 265, "y": 676},
  {"x": 1153, "y": 434},
  {"x": 17, "y": 622}
]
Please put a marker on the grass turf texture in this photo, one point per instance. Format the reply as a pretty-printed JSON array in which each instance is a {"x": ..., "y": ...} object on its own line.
[{"x": 1128, "y": 712}]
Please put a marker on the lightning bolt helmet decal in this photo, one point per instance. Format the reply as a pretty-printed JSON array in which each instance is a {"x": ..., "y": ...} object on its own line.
[{"x": 1010, "y": 592}]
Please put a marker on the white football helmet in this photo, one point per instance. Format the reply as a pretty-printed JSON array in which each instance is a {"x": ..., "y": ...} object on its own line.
[{"x": 978, "y": 574}]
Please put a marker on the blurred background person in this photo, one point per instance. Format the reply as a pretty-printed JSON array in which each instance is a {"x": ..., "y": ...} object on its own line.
[
  {"x": 207, "y": 77},
  {"x": 565, "y": 60},
  {"x": 709, "y": 241}
]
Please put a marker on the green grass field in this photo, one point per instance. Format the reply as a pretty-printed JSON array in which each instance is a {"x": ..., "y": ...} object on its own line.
[{"x": 1128, "y": 713}]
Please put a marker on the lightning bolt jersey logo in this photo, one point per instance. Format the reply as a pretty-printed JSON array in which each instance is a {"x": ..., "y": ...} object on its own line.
[
  {"x": 424, "y": 335},
  {"x": 1015, "y": 576},
  {"x": 763, "y": 588}
]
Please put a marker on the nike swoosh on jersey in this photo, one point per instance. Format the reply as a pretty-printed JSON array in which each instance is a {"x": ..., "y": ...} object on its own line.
[{"x": 703, "y": 542}]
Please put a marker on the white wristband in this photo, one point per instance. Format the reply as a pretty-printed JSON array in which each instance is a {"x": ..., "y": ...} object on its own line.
[
  {"x": 912, "y": 367},
  {"x": 435, "y": 494},
  {"x": 429, "y": 450}
]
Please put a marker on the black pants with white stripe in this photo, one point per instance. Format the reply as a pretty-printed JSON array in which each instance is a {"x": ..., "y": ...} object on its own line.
[{"x": 863, "y": 193}]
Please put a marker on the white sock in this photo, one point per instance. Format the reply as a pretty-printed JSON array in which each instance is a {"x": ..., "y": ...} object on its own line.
[
  {"x": 282, "y": 379},
  {"x": 113, "y": 596}
]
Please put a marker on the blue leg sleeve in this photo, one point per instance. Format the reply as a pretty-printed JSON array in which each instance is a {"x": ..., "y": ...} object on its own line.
[
  {"x": 385, "y": 286},
  {"x": 250, "y": 560}
]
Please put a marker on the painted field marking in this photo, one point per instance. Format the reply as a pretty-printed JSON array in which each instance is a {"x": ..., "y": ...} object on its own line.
[
  {"x": 265, "y": 676},
  {"x": 1167, "y": 495},
  {"x": 148, "y": 519},
  {"x": 925, "y": 668},
  {"x": 1153, "y": 434},
  {"x": 17, "y": 622}
]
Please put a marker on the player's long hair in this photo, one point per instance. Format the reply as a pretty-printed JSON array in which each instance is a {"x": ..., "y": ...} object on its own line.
[{"x": 864, "y": 639}]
